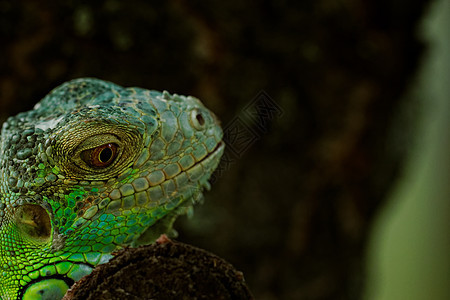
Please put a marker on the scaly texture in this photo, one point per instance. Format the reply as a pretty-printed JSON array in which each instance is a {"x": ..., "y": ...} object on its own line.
[{"x": 95, "y": 167}]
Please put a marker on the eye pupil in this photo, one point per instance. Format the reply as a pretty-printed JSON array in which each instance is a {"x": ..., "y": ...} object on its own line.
[
  {"x": 105, "y": 155},
  {"x": 101, "y": 156}
]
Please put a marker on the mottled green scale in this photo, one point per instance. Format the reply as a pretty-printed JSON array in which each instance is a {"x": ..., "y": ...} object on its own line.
[{"x": 66, "y": 203}]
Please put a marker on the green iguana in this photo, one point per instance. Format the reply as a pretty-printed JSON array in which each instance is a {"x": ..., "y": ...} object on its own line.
[{"x": 92, "y": 168}]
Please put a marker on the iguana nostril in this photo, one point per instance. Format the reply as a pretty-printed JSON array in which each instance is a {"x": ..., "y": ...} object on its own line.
[
  {"x": 34, "y": 222},
  {"x": 200, "y": 119},
  {"x": 197, "y": 119}
]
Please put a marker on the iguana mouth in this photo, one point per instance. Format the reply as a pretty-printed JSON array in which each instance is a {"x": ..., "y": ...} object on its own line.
[
  {"x": 210, "y": 156},
  {"x": 202, "y": 169},
  {"x": 189, "y": 193},
  {"x": 210, "y": 161}
]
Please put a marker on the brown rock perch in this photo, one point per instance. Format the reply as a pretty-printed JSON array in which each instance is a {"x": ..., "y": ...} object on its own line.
[{"x": 163, "y": 270}]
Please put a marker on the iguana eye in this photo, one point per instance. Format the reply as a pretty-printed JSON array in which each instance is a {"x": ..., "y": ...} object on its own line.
[{"x": 101, "y": 156}]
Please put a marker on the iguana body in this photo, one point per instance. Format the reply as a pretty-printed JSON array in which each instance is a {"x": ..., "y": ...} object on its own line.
[{"x": 93, "y": 168}]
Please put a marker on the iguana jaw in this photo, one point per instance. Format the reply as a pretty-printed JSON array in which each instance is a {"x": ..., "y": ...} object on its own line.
[{"x": 190, "y": 193}]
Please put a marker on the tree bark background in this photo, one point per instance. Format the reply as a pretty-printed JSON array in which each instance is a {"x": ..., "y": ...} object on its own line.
[{"x": 309, "y": 93}]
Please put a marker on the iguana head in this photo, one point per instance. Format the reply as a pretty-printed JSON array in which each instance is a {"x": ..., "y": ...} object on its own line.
[{"x": 92, "y": 168}]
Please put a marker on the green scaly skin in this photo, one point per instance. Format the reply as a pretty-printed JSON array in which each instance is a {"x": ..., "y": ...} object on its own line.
[{"x": 93, "y": 168}]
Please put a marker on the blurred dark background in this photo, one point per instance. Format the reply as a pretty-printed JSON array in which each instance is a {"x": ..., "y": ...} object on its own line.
[{"x": 310, "y": 93}]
